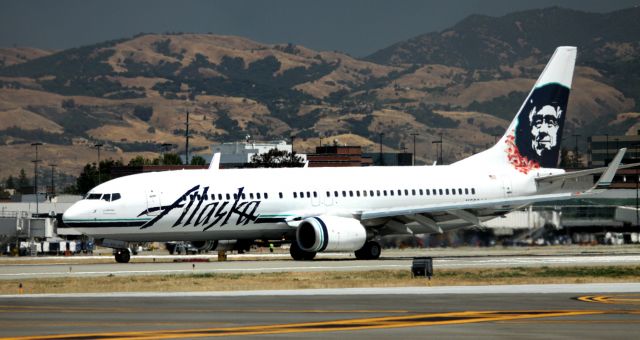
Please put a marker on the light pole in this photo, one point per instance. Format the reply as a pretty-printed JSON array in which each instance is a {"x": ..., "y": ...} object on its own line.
[
  {"x": 35, "y": 176},
  {"x": 381, "y": 158},
  {"x": 186, "y": 136},
  {"x": 413, "y": 158},
  {"x": 293, "y": 137},
  {"x": 606, "y": 160},
  {"x": 436, "y": 142},
  {"x": 577, "y": 154},
  {"x": 53, "y": 184},
  {"x": 98, "y": 146}
]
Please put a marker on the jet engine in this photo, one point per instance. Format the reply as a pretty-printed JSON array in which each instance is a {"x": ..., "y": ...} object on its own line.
[
  {"x": 330, "y": 233},
  {"x": 217, "y": 245}
]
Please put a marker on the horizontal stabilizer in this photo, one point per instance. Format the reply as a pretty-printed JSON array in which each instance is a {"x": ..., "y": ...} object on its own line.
[{"x": 607, "y": 176}]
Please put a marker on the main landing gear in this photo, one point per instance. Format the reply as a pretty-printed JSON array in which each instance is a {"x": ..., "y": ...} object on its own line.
[
  {"x": 370, "y": 251},
  {"x": 122, "y": 255}
]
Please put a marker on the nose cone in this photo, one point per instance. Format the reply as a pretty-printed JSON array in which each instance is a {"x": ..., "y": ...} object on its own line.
[{"x": 73, "y": 213}]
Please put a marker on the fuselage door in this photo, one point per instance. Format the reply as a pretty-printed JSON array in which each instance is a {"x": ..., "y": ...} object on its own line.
[
  {"x": 153, "y": 202},
  {"x": 507, "y": 186}
]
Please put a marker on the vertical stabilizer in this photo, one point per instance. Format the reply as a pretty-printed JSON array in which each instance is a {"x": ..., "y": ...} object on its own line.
[{"x": 533, "y": 138}]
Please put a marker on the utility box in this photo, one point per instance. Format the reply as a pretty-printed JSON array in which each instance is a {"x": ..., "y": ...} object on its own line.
[{"x": 422, "y": 267}]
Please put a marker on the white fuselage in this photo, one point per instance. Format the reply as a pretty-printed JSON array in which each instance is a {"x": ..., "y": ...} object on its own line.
[{"x": 204, "y": 204}]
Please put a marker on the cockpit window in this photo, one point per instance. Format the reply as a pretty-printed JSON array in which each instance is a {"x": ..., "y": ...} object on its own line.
[
  {"x": 94, "y": 196},
  {"x": 115, "y": 197},
  {"x": 106, "y": 197}
]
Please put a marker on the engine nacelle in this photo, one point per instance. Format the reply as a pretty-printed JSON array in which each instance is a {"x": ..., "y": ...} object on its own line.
[
  {"x": 330, "y": 233},
  {"x": 204, "y": 245}
]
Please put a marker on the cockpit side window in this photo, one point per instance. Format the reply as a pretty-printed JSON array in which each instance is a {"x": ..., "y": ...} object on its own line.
[
  {"x": 106, "y": 197},
  {"x": 115, "y": 197},
  {"x": 94, "y": 196}
]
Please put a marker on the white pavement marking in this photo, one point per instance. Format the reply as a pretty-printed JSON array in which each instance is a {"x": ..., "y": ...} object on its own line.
[
  {"x": 588, "y": 288},
  {"x": 164, "y": 268}
]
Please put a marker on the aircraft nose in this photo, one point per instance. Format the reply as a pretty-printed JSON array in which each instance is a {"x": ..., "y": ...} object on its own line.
[{"x": 73, "y": 213}]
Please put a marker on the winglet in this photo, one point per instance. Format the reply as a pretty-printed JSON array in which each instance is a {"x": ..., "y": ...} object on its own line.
[
  {"x": 607, "y": 176},
  {"x": 215, "y": 162}
]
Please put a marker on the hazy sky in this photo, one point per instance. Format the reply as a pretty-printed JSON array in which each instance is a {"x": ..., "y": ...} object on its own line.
[{"x": 358, "y": 27}]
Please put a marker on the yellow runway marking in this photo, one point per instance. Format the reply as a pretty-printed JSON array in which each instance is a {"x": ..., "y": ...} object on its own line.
[
  {"x": 626, "y": 299},
  {"x": 328, "y": 326}
]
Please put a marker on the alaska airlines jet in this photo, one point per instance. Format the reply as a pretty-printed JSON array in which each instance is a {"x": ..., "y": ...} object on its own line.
[{"x": 344, "y": 209}]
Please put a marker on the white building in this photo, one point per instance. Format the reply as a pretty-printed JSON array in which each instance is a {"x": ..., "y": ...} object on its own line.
[{"x": 241, "y": 152}]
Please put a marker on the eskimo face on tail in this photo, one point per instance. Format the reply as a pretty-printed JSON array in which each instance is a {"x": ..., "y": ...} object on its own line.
[
  {"x": 544, "y": 128},
  {"x": 539, "y": 129}
]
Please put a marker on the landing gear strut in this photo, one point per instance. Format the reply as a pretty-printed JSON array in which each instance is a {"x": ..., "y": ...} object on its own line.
[
  {"x": 370, "y": 251},
  {"x": 299, "y": 254},
  {"x": 122, "y": 255}
]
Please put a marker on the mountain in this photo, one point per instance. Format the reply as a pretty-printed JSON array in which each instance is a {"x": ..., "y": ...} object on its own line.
[
  {"x": 481, "y": 42},
  {"x": 463, "y": 84}
]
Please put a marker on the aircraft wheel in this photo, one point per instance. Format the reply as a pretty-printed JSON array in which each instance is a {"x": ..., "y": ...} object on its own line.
[
  {"x": 299, "y": 254},
  {"x": 370, "y": 251},
  {"x": 123, "y": 256}
]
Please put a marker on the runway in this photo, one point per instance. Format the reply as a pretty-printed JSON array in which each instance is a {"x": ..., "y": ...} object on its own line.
[
  {"x": 591, "y": 311},
  {"x": 83, "y": 268}
]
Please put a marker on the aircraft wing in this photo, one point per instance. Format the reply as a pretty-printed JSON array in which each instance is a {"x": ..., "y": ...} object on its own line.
[{"x": 465, "y": 208}]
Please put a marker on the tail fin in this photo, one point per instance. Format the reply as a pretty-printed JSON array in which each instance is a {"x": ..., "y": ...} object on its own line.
[{"x": 533, "y": 137}]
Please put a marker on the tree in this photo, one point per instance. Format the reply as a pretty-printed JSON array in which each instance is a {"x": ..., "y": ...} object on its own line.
[
  {"x": 23, "y": 181},
  {"x": 88, "y": 178},
  {"x": 171, "y": 159},
  {"x": 275, "y": 158},
  {"x": 198, "y": 160},
  {"x": 10, "y": 183}
]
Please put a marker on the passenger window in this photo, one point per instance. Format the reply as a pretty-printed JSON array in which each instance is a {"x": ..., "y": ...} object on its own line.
[
  {"x": 473, "y": 191},
  {"x": 459, "y": 191},
  {"x": 301, "y": 194},
  {"x": 358, "y": 193},
  {"x": 250, "y": 196},
  {"x": 258, "y": 195},
  {"x": 328, "y": 193},
  {"x": 315, "y": 194},
  {"x": 385, "y": 192},
  {"x": 115, "y": 197},
  {"x": 308, "y": 194},
  {"x": 344, "y": 193},
  {"x": 406, "y": 192},
  {"x": 378, "y": 193},
  {"x": 235, "y": 196},
  {"x": 428, "y": 193},
  {"x": 295, "y": 194},
  {"x": 453, "y": 191},
  {"x": 446, "y": 191},
  {"x": 413, "y": 192},
  {"x": 440, "y": 191},
  {"x": 106, "y": 197},
  {"x": 466, "y": 191},
  {"x": 335, "y": 193},
  {"x": 350, "y": 193},
  {"x": 364, "y": 193},
  {"x": 280, "y": 195},
  {"x": 399, "y": 192},
  {"x": 371, "y": 193},
  {"x": 390, "y": 192},
  {"x": 421, "y": 192},
  {"x": 266, "y": 196}
]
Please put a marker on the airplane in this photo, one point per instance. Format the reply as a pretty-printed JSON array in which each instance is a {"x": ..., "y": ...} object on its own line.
[{"x": 345, "y": 209}]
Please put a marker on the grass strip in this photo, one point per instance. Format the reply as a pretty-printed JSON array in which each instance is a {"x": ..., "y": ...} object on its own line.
[{"x": 302, "y": 280}]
